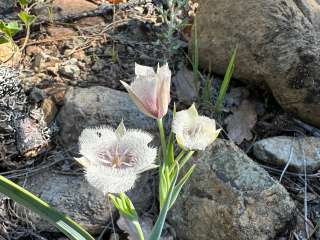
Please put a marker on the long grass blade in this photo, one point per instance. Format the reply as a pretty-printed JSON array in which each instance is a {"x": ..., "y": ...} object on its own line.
[
  {"x": 225, "y": 82},
  {"x": 66, "y": 225}
]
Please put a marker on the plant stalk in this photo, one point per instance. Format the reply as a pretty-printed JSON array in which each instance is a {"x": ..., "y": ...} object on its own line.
[
  {"x": 162, "y": 137},
  {"x": 138, "y": 229},
  {"x": 186, "y": 158}
]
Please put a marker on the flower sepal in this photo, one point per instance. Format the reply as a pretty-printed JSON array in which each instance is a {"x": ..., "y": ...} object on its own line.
[{"x": 124, "y": 205}]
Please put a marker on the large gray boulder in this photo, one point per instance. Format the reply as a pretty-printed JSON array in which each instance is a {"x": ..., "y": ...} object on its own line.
[
  {"x": 278, "y": 42},
  {"x": 229, "y": 197},
  {"x": 72, "y": 195},
  {"x": 95, "y": 106}
]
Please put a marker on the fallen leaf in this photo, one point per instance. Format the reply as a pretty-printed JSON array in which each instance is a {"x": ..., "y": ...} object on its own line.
[
  {"x": 9, "y": 54},
  {"x": 240, "y": 123}
]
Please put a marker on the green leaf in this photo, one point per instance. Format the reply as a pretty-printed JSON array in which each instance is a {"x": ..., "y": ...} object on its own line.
[
  {"x": 225, "y": 82},
  {"x": 157, "y": 229},
  {"x": 179, "y": 186},
  {"x": 70, "y": 228},
  {"x": 10, "y": 29},
  {"x": 3, "y": 40},
  {"x": 26, "y": 18},
  {"x": 23, "y": 3},
  {"x": 162, "y": 186},
  {"x": 170, "y": 149},
  {"x": 195, "y": 56}
]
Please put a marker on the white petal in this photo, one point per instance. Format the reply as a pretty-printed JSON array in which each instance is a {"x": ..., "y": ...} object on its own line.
[
  {"x": 141, "y": 70},
  {"x": 146, "y": 90},
  {"x": 137, "y": 100},
  {"x": 164, "y": 72},
  {"x": 194, "y": 132},
  {"x": 182, "y": 121},
  {"x": 137, "y": 142},
  {"x": 91, "y": 140},
  {"x": 110, "y": 180}
]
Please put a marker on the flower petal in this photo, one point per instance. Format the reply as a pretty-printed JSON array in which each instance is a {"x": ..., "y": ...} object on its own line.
[
  {"x": 137, "y": 100},
  {"x": 163, "y": 89},
  {"x": 141, "y": 70},
  {"x": 137, "y": 142},
  {"x": 91, "y": 140},
  {"x": 110, "y": 180},
  {"x": 194, "y": 132}
]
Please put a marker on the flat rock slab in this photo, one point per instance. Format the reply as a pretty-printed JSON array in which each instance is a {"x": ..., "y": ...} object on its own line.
[
  {"x": 301, "y": 151},
  {"x": 229, "y": 197},
  {"x": 96, "y": 106},
  {"x": 73, "y": 196}
]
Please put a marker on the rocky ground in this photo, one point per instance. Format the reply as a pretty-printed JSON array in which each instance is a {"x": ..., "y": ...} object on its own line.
[{"x": 260, "y": 181}]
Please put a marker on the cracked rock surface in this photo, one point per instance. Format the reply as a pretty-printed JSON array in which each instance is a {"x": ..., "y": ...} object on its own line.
[{"x": 229, "y": 197}]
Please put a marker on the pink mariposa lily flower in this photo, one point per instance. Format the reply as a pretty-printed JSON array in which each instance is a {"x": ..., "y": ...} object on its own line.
[{"x": 150, "y": 90}]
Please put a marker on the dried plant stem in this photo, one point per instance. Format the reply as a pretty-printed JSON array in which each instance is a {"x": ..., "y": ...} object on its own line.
[{"x": 26, "y": 38}]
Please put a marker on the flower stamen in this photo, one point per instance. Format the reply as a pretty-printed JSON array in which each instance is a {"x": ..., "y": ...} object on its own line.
[{"x": 116, "y": 158}]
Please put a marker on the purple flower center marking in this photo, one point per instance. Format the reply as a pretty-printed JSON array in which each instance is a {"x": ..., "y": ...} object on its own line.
[{"x": 116, "y": 157}]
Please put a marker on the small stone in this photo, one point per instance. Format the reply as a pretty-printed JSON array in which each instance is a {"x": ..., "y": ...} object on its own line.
[
  {"x": 30, "y": 139},
  {"x": 69, "y": 7},
  {"x": 38, "y": 62},
  {"x": 70, "y": 71},
  {"x": 33, "y": 50},
  {"x": 79, "y": 55},
  {"x": 90, "y": 21},
  {"x": 37, "y": 94},
  {"x": 277, "y": 150},
  {"x": 49, "y": 109},
  {"x": 61, "y": 32}
]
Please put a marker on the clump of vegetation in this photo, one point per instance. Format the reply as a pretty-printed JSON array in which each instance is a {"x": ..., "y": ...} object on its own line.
[
  {"x": 207, "y": 85},
  {"x": 10, "y": 29},
  {"x": 174, "y": 20},
  {"x": 113, "y": 159}
]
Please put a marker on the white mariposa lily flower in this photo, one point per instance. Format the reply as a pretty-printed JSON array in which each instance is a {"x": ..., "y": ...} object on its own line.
[
  {"x": 150, "y": 91},
  {"x": 113, "y": 159},
  {"x": 194, "y": 132}
]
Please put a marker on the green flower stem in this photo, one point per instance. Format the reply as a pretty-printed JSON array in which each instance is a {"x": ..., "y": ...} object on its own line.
[
  {"x": 162, "y": 137},
  {"x": 186, "y": 158},
  {"x": 139, "y": 229},
  {"x": 181, "y": 154}
]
